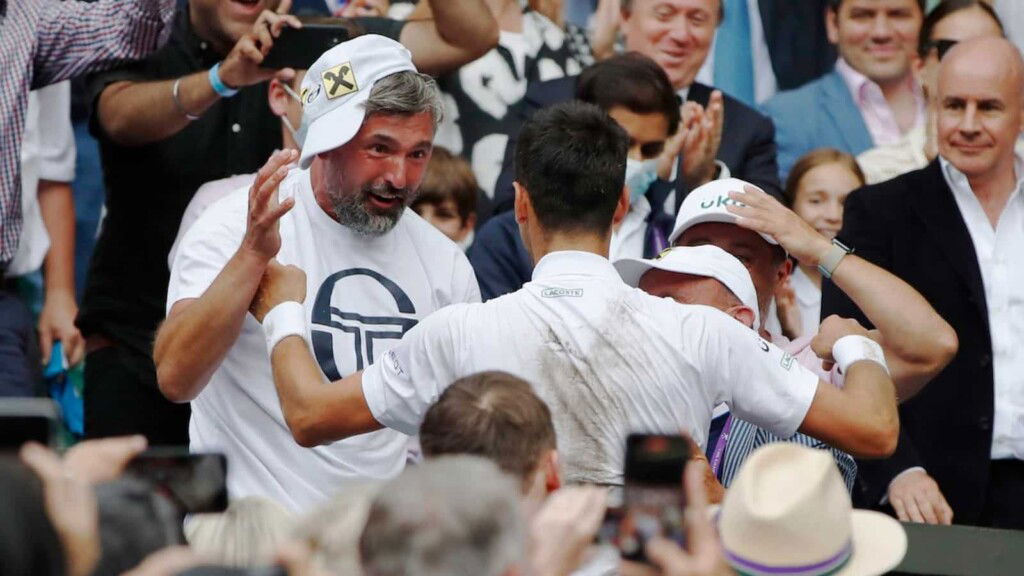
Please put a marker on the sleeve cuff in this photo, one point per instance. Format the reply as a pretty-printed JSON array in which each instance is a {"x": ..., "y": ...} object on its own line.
[{"x": 885, "y": 497}]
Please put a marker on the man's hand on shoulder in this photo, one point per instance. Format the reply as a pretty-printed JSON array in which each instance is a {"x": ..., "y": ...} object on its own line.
[
  {"x": 279, "y": 284},
  {"x": 915, "y": 496}
]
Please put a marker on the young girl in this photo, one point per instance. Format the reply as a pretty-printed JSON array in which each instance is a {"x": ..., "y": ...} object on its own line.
[{"x": 816, "y": 189}]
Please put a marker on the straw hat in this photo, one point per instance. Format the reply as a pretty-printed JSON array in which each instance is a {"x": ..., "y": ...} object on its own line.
[{"x": 788, "y": 514}]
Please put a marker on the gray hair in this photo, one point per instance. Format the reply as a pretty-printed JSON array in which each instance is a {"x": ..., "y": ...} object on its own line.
[
  {"x": 454, "y": 515},
  {"x": 333, "y": 530},
  {"x": 406, "y": 93}
]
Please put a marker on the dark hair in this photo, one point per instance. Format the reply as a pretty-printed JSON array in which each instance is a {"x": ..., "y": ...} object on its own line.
[
  {"x": 491, "y": 414},
  {"x": 812, "y": 160},
  {"x": 948, "y": 8},
  {"x": 835, "y": 4},
  {"x": 632, "y": 81},
  {"x": 449, "y": 176},
  {"x": 571, "y": 159},
  {"x": 29, "y": 544}
]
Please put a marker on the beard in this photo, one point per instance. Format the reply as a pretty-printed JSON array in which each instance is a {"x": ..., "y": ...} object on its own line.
[{"x": 357, "y": 213}]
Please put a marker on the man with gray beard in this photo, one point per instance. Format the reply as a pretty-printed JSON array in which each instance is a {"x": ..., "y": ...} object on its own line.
[{"x": 374, "y": 269}]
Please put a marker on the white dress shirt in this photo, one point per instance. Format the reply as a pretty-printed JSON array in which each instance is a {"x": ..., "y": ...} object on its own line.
[
  {"x": 1000, "y": 253},
  {"x": 606, "y": 358}
]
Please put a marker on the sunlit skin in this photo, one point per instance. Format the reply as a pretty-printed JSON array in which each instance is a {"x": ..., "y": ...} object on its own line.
[
  {"x": 878, "y": 38},
  {"x": 749, "y": 248},
  {"x": 647, "y": 132},
  {"x": 979, "y": 118},
  {"x": 445, "y": 217},
  {"x": 223, "y": 22},
  {"x": 676, "y": 34},
  {"x": 388, "y": 150},
  {"x": 691, "y": 289}
]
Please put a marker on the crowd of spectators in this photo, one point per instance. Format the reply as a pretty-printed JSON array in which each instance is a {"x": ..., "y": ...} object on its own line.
[{"x": 418, "y": 291}]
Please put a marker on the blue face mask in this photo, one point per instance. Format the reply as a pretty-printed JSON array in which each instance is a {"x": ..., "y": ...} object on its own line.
[{"x": 639, "y": 177}]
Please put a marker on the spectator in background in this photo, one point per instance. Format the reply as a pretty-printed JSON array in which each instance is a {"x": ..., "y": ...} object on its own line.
[
  {"x": 870, "y": 98},
  {"x": 175, "y": 123},
  {"x": 637, "y": 94},
  {"x": 816, "y": 190},
  {"x": 43, "y": 43},
  {"x": 951, "y": 21},
  {"x": 448, "y": 197},
  {"x": 719, "y": 136},
  {"x": 955, "y": 231},
  {"x": 482, "y": 96}
]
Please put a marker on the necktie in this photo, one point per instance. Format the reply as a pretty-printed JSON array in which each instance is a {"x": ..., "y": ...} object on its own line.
[{"x": 734, "y": 62}]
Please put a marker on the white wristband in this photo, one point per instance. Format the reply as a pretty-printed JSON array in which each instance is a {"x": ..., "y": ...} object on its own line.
[
  {"x": 854, "y": 348},
  {"x": 285, "y": 319}
]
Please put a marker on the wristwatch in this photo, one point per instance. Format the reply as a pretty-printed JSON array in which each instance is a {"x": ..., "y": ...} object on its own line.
[{"x": 830, "y": 261}]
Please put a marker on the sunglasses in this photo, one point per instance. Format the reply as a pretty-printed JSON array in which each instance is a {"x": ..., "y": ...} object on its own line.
[{"x": 941, "y": 46}]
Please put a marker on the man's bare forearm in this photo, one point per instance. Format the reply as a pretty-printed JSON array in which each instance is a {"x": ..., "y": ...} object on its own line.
[
  {"x": 57, "y": 206},
  {"x": 918, "y": 343},
  {"x": 468, "y": 24},
  {"x": 860, "y": 418},
  {"x": 139, "y": 113},
  {"x": 198, "y": 334},
  {"x": 317, "y": 413}
]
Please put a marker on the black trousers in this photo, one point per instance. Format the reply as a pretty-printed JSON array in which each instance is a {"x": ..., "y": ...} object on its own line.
[
  {"x": 1004, "y": 499},
  {"x": 121, "y": 397}
]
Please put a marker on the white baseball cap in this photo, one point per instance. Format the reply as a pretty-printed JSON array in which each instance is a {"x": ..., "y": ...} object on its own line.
[
  {"x": 788, "y": 513},
  {"x": 707, "y": 204},
  {"x": 336, "y": 87},
  {"x": 708, "y": 261}
]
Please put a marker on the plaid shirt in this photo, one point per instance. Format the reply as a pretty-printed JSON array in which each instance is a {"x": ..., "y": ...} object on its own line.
[{"x": 45, "y": 41}]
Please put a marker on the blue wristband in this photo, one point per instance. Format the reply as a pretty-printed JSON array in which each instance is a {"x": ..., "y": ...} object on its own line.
[{"x": 220, "y": 87}]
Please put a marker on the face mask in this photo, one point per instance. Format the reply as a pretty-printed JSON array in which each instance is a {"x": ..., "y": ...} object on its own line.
[
  {"x": 284, "y": 119},
  {"x": 639, "y": 177}
]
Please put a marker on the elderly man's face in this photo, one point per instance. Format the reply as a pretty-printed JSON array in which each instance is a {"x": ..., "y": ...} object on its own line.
[
  {"x": 748, "y": 247},
  {"x": 877, "y": 38},
  {"x": 979, "y": 102},
  {"x": 676, "y": 34},
  {"x": 689, "y": 289},
  {"x": 368, "y": 182}
]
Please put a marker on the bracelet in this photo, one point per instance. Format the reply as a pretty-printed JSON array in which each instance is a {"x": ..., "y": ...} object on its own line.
[
  {"x": 285, "y": 319},
  {"x": 177, "y": 103},
  {"x": 222, "y": 89},
  {"x": 854, "y": 348}
]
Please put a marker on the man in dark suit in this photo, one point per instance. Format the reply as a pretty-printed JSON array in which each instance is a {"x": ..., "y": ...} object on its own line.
[
  {"x": 677, "y": 34},
  {"x": 955, "y": 231}
]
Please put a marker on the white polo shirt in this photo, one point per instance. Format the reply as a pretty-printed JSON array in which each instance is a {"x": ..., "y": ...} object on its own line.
[
  {"x": 362, "y": 294},
  {"x": 608, "y": 360}
]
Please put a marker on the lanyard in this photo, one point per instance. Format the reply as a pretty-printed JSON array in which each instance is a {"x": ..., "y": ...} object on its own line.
[{"x": 723, "y": 439}]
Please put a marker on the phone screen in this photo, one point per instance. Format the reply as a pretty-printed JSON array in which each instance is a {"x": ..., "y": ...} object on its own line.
[
  {"x": 653, "y": 500},
  {"x": 299, "y": 47},
  {"x": 196, "y": 483}
]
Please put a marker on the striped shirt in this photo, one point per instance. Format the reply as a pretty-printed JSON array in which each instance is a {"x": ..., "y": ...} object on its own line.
[{"x": 43, "y": 42}]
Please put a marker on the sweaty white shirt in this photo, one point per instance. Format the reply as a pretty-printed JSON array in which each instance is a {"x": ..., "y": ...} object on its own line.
[
  {"x": 608, "y": 360},
  {"x": 362, "y": 295}
]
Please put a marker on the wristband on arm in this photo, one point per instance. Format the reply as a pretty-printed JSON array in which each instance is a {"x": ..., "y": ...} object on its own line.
[
  {"x": 285, "y": 319},
  {"x": 854, "y": 348},
  {"x": 222, "y": 89}
]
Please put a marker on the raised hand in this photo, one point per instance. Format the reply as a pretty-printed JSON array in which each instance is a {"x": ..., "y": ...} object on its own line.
[
  {"x": 761, "y": 213},
  {"x": 242, "y": 67},
  {"x": 262, "y": 232}
]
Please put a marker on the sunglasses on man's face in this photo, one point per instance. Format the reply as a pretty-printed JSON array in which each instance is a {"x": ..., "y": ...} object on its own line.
[{"x": 941, "y": 46}]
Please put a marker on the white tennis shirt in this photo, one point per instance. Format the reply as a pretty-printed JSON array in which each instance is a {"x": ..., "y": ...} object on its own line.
[{"x": 608, "y": 360}]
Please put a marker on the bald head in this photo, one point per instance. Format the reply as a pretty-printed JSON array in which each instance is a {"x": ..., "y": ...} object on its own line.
[{"x": 980, "y": 96}]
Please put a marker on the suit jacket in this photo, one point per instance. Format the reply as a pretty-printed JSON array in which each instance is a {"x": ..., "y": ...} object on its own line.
[
  {"x": 912, "y": 227},
  {"x": 747, "y": 148},
  {"x": 797, "y": 41},
  {"x": 820, "y": 114}
]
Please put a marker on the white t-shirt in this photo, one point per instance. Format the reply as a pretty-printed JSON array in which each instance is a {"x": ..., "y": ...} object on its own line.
[
  {"x": 608, "y": 360},
  {"x": 362, "y": 295}
]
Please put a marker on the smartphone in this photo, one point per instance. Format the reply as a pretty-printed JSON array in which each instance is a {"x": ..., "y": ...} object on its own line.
[
  {"x": 653, "y": 500},
  {"x": 299, "y": 47},
  {"x": 25, "y": 419},
  {"x": 196, "y": 483}
]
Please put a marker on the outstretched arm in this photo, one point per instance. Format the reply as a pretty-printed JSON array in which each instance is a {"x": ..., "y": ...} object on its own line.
[{"x": 918, "y": 343}]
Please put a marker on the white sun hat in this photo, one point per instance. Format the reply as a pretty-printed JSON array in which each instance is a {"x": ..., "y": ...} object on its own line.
[
  {"x": 336, "y": 87},
  {"x": 788, "y": 514},
  {"x": 708, "y": 261},
  {"x": 707, "y": 204}
]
